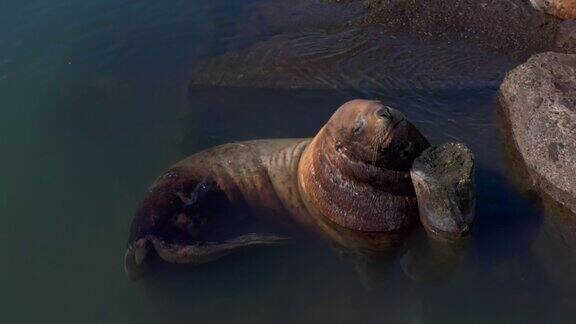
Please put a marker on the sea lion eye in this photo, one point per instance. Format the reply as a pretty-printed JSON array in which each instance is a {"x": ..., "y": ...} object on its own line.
[
  {"x": 383, "y": 112},
  {"x": 359, "y": 125}
]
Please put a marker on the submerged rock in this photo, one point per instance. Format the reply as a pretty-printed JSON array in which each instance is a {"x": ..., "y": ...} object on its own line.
[
  {"x": 512, "y": 27},
  {"x": 538, "y": 108},
  {"x": 354, "y": 58},
  {"x": 381, "y": 44}
]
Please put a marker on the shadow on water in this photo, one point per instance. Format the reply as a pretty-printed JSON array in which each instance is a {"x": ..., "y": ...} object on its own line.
[
  {"x": 248, "y": 113},
  {"x": 355, "y": 58}
]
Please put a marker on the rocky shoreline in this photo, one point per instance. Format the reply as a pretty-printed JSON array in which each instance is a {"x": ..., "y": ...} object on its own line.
[
  {"x": 334, "y": 44},
  {"x": 511, "y": 27}
]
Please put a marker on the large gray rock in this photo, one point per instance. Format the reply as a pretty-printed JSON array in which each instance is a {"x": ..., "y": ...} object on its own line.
[{"x": 538, "y": 105}]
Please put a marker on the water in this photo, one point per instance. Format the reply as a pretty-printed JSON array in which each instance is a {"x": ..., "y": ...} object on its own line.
[{"x": 95, "y": 103}]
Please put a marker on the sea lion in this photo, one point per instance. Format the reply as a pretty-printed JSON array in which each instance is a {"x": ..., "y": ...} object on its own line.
[
  {"x": 563, "y": 9},
  {"x": 351, "y": 183},
  {"x": 356, "y": 171}
]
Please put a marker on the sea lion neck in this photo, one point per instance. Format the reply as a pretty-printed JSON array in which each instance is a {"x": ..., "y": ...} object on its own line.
[
  {"x": 352, "y": 194},
  {"x": 337, "y": 154},
  {"x": 355, "y": 172}
]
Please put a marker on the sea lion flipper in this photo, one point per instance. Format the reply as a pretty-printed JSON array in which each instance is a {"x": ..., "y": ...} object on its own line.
[
  {"x": 258, "y": 239},
  {"x": 199, "y": 194},
  {"x": 206, "y": 252}
]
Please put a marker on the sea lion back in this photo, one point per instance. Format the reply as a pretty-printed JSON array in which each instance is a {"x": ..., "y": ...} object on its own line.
[{"x": 260, "y": 174}]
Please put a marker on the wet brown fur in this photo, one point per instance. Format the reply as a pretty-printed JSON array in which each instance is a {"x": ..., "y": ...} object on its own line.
[{"x": 342, "y": 181}]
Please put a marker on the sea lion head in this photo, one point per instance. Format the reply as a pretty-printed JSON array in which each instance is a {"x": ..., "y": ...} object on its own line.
[
  {"x": 355, "y": 172},
  {"x": 372, "y": 133}
]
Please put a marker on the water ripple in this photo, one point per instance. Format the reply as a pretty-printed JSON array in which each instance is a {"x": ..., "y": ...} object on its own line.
[{"x": 361, "y": 59}]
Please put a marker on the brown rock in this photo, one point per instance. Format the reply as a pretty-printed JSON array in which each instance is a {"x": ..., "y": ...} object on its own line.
[{"x": 443, "y": 178}]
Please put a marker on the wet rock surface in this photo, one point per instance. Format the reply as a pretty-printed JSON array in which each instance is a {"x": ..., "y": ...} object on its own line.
[
  {"x": 443, "y": 178},
  {"x": 352, "y": 59},
  {"x": 512, "y": 27},
  {"x": 382, "y": 44},
  {"x": 537, "y": 105}
]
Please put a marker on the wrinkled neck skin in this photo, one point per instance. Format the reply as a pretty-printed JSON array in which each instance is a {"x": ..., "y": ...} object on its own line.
[
  {"x": 343, "y": 192},
  {"x": 388, "y": 181},
  {"x": 369, "y": 173}
]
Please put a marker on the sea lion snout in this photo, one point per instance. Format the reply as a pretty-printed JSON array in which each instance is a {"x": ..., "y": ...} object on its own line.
[
  {"x": 364, "y": 121},
  {"x": 380, "y": 135}
]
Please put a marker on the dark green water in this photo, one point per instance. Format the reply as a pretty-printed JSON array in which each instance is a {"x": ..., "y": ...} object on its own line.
[{"x": 94, "y": 104}]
